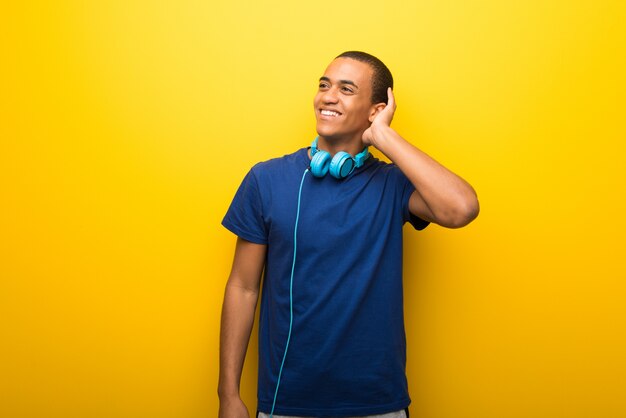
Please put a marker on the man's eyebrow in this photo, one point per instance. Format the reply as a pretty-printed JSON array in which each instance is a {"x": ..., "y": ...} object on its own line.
[{"x": 352, "y": 83}]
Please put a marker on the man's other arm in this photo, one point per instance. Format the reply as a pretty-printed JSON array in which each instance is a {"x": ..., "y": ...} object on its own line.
[
  {"x": 240, "y": 299},
  {"x": 440, "y": 196}
]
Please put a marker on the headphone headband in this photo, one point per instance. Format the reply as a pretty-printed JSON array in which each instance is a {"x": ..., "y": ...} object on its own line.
[{"x": 359, "y": 159}]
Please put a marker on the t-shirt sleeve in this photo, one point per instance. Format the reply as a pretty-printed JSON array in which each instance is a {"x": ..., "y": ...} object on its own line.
[
  {"x": 417, "y": 222},
  {"x": 407, "y": 190},
  {"x": 245, "y": 215}
]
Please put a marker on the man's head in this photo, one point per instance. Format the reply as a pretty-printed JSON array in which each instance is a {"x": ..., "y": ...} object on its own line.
[
  {"x": 351, "y": 92},
  {"x": 381, "y": 77}
]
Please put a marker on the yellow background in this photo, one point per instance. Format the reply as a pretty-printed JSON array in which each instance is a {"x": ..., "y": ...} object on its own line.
[{"x": 127, "y": 126}]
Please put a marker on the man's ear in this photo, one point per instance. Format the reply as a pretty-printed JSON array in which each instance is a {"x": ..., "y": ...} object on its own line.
[{"x": 375, "y": 109}]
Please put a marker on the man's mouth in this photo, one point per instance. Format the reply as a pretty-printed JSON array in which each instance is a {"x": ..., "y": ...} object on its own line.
[{"x": 329, "y": 113}]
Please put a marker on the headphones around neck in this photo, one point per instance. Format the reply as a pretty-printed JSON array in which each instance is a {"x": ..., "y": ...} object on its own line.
[{"x": 340, "y": 166}]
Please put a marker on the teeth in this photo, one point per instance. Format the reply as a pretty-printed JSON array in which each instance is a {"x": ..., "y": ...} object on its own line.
[{"x": 329, "y": 113}]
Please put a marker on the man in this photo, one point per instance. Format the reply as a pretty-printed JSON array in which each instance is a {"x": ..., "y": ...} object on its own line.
[{"x": 329, "y": 246}]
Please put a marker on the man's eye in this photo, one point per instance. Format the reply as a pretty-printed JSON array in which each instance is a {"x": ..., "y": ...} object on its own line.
[
  {"x": 347, "y": 89},
  {"x": 323, "y": 85}
]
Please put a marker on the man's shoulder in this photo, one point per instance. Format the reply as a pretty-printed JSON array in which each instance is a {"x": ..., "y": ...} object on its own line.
[
  {"x": 378, "y": 167},
  {"x": 295, "y": 161}
]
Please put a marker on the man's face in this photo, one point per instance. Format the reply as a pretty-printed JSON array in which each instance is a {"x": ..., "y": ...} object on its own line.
[{"x": 343, "y": 101}]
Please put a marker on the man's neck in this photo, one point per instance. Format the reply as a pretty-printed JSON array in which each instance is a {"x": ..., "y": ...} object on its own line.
[{"x": 352, "y": 146}]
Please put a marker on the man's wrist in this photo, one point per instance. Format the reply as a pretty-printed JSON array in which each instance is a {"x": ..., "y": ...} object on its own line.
[
  {"x": 381, "y": 138},
  {"x": 228, "y": 392}
]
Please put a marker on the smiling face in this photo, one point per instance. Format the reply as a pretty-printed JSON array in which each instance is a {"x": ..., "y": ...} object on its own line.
[{"x": 343, "y": 103}]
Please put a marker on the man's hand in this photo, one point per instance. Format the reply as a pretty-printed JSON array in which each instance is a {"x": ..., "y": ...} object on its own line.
[
  {"x": 382, "y": 120},
  {"x": 233, "y": 408}
]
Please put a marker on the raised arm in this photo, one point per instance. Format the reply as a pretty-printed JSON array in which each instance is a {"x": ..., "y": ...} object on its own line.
[
  {"x": 240, "y": 299},
  {"x": 440, "y": 195}
]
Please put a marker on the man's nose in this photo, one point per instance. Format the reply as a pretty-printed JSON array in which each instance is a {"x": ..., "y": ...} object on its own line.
[{"x": 330, "y": 95}]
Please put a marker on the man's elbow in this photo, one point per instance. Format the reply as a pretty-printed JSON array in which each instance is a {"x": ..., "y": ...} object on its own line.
[{"x": 464, "y": 213}]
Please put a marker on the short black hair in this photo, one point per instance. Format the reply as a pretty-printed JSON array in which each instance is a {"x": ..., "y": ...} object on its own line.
[{"x": 381, "y": 78}]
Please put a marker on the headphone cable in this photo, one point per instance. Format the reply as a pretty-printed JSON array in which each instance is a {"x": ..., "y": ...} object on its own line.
[{"x": 293, "y": 266}]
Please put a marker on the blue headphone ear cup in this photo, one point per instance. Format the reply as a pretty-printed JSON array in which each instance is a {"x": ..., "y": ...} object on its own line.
[
  {"x": 319, "y": 163},
  {"x": 342, "y": 165}
]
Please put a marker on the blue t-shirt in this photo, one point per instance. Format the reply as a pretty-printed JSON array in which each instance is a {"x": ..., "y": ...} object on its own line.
[{"x": 347, "y": 352}]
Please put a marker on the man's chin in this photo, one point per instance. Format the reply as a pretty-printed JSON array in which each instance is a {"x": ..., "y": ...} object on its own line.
[{"x": 325, "y": 132}]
